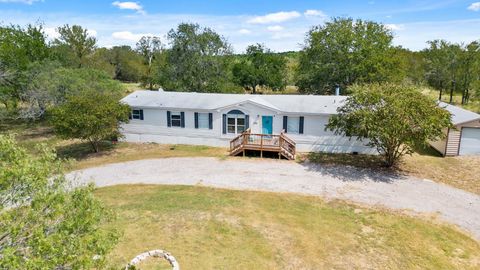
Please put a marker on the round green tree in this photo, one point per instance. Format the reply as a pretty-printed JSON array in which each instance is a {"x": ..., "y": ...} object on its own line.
[
  {"x": 391, "y": 118},
  {"x": 90, "y": 116}
]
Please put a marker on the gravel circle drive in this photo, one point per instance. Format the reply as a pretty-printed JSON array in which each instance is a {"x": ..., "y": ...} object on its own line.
[{"x": 343, "y": 182}]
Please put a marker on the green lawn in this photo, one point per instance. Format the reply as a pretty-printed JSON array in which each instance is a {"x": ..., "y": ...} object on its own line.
[{"x": 206, "y": 228}]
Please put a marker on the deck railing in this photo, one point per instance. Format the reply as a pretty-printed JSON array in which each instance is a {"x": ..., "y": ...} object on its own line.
[{"x": 263, "y": 142}]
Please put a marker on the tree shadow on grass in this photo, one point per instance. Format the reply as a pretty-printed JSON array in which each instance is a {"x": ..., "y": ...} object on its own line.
[
  {"x": 427, "y": 150},
  {"x": 83, "y": 150},
  {"x": 351, "y": 168}
]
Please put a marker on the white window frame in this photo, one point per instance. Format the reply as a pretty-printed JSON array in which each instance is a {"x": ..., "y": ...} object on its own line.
[
  {"x": 236, "y": 126},
  {"x": 172, "y": 114}
]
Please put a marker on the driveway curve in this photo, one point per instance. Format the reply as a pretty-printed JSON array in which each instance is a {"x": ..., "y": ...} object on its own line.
[{"x": 343, "y": 182}]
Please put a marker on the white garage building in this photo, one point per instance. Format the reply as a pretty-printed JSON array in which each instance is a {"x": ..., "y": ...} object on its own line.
[{"x": 464, "y": 138}]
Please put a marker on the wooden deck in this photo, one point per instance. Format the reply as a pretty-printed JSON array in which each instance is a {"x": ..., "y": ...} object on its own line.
[{"x": 280, "y": 144}]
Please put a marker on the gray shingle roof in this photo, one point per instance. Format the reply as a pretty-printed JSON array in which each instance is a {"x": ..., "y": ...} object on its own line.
[
  {"x": 307, "y": 104},
  {"x": 459, "y": 115}
]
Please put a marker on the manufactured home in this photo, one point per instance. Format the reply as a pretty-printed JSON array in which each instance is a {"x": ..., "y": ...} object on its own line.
[
  {"x": 464, "y": 137},
  {"x": 238, "y": 121},
  {"x": 278, "y": 123}
]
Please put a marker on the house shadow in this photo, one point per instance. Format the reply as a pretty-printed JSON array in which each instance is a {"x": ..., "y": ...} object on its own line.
[{"x": 351, "y": 167}]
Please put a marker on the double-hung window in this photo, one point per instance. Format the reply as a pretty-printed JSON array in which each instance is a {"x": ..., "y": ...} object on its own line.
[
  {"x": 203, "y": 121},
  {"x": 293, "y": 125},
  {"x": 137, "y": 114},
  {"x": 176, "y": 119},
  {"x": 235, "y": 123}
]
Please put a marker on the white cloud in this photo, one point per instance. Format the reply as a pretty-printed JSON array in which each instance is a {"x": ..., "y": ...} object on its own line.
[
  {"x": 282, "y": 35},
  {"x": 244, "y": 31},
  {"x": 52, "y": 32},
  {"x": 129, "y": 5},
  {"x": 277, "y": 17},
  {"x": 127, "y": 35},
  {"x": 28, "y": 2},
  {"x": 275, "y": 28},
  {"x": 314, "y": 13},
  {"x": 395, "y": 27},
  {"x": 91, "y": 32},
  {"x": 474, "y": 6}
]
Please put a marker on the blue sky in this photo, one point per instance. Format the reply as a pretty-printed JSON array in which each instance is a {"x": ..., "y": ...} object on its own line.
[{"x": 280, "y": 25}]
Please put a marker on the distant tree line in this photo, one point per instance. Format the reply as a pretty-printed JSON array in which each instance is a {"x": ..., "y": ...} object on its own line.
[{"x": 36, "y": 74}]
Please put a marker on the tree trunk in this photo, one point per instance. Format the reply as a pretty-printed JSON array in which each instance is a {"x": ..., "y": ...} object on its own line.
[
  {"x": 451, "y": 92},
  {"x": 441, "y": 90},
  {"x": 254, "y": 89},
  {"x": 94, "y": 145}
]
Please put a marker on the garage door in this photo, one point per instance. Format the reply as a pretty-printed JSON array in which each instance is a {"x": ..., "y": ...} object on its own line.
[{"x": 470, "y": 142}]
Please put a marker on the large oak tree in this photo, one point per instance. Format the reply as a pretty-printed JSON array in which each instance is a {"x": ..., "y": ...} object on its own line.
[{"x": 343, "y": 52}]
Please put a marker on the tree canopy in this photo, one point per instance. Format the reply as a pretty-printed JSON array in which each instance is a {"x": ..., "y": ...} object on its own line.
[
  {"x": 48, "y": 84},
  {"x": 90, "y": 116},
  {"x": 343, "y": 52},
  {"x": 45, "y": 223},
  {"x": 77, "y": 40},
  {"x": 149, "y": 47},
  {"x": 451, "y": 66},
  {"x": 196, "y": 60},
  {"x": 392, "y": 118},
  {"x": 260, "y": 67}
]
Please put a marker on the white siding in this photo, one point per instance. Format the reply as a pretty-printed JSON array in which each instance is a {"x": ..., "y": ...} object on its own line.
[{"x": 154, "y": 129}]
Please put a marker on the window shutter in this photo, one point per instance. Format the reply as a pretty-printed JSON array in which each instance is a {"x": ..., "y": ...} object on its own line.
[
  {"x": 141, "y": 114},
  {"x": 247, "y": 122},
  {"x": 210, "y": 120},
  {"x": 169, "y": 123},
  {"x": 130, "y": 115},
  {"x": 182, "y": 119},
  {"x": 285, "y": 123},
  {"x": 196, "y": 120},
  {"x": 224, "y": 123},
  {"x": 300, "y": 128}
]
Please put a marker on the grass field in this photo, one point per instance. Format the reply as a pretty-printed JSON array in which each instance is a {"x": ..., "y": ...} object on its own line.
[{"x": 206, "y": 228}]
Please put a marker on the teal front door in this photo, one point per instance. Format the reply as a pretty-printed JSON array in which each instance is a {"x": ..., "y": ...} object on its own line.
[{"x": 267, "y": 124}]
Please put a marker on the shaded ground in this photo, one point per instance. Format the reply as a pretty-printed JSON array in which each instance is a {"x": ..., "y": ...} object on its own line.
[
  {"x": 206, "y": 228},
  {"x": 342, "y": 182}
]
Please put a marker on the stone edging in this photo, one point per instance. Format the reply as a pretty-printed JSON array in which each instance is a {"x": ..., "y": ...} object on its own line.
[{"x": 154, "y": 253}]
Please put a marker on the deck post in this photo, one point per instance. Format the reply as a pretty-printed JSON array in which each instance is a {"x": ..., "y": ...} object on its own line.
[
  {"x": 244, "y": 152},
  {"x": 261, "y": 146}
]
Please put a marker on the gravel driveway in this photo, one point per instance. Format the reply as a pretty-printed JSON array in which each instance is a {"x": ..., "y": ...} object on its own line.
[{"x": 358, "y": 185}]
